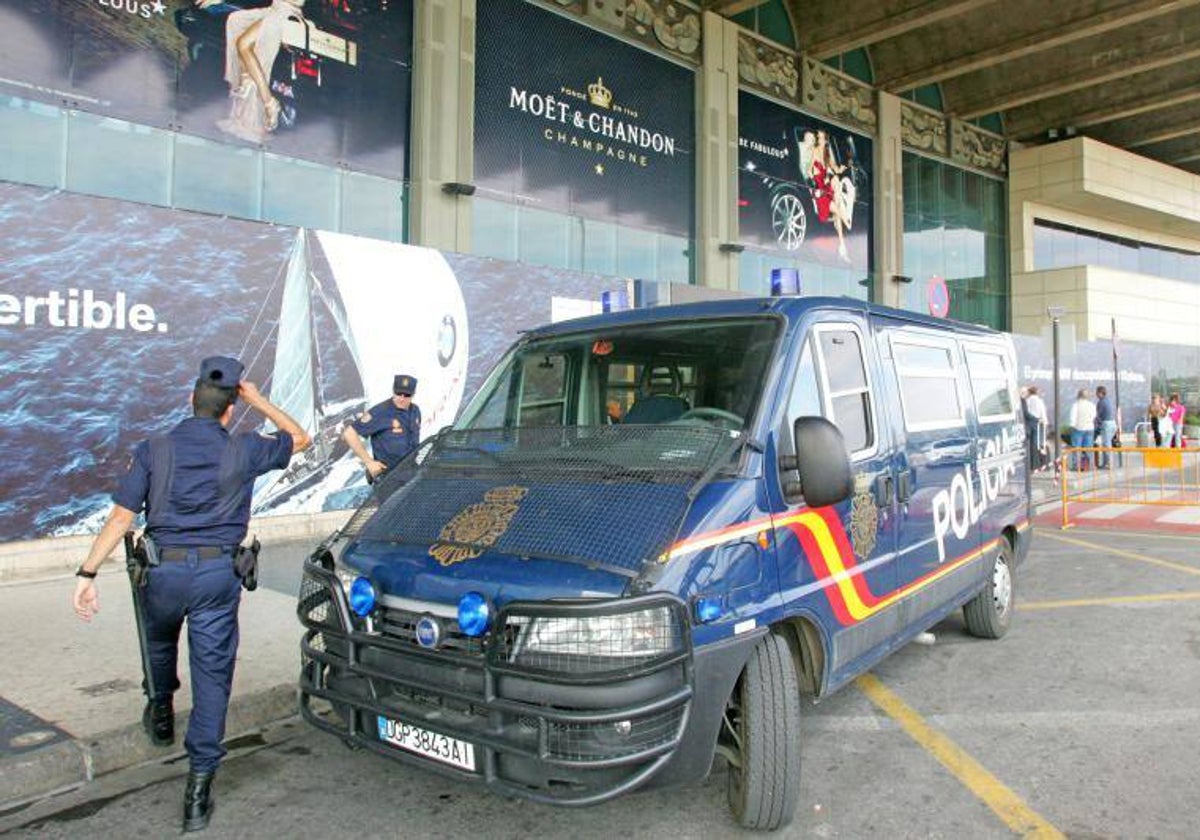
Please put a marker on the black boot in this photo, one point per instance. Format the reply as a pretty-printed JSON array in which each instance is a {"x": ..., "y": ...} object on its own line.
[
  {"x": 197, "y": 800},
  {"x": 159, "y": 722}
]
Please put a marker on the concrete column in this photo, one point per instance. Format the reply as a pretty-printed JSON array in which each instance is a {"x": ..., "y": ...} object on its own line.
[
  {"x": 888, "y": 202},
  {"x": 717, "y": 154},
  {"x": 443, "y": 122}
]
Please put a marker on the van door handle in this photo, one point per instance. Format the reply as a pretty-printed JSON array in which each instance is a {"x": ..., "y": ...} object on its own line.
[
  {"x": 904, "y": 487},
  {"x": 883, "y": 490}
]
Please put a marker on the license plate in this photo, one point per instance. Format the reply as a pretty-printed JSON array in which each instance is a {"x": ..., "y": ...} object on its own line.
[{"x": 433, "y": 745}]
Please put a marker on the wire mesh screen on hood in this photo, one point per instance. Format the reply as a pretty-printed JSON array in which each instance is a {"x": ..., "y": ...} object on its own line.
[{"x": 609, "y": 497}]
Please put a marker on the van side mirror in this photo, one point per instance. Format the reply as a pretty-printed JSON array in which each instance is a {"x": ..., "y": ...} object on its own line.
[{"x": 822, "y": 463}]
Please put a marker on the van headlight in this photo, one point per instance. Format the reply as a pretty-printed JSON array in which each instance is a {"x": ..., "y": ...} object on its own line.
[{"x": 643, "y": 634}]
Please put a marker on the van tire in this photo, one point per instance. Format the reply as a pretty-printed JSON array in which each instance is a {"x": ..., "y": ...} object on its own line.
[
  {"x": 989, "y": 613},
  {"x": 765, "y": 710}
]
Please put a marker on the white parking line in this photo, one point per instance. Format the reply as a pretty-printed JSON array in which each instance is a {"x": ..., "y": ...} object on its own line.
[{"x": 1107, "y": 511}]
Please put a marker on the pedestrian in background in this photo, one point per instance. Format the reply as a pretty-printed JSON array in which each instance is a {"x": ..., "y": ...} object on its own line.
[
  {"x": 195, "y": 485},
  {"x": 1106, "y": 428},
  {"x": 1037, "y": 407},
  {"x": 1166, "y": 429},
  {"x": 1176, "y": 412},
  {"x": 1083, "y": 428},
  {"x": 1154, "y": 414}
]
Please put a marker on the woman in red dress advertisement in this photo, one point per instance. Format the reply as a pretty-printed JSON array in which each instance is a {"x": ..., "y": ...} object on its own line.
[{"x": 829, "y": 192}]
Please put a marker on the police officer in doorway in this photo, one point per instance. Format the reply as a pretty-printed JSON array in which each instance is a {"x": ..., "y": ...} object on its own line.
[
  {"x": 393, "y": 426},
  {"x": 195, "y": 484}
]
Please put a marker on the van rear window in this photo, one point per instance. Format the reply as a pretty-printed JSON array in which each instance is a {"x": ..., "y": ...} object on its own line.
[{"x": 928, "y": 383}]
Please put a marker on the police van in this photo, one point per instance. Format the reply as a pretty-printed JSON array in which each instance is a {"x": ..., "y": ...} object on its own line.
[{"x": 653, "y": 532}]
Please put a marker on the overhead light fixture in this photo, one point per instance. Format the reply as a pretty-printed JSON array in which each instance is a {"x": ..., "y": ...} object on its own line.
[
  {"x": 456, "y": 188},
  {"x": 1052, "y": 133}
]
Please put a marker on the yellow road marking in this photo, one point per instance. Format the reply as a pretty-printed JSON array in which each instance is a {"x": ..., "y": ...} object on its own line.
[
  {"x": 1132, "y": 555},
  {"x": 1117, "y": 599},
  {"x": 991, "y": 791},
  {"x": 1085, "y": 529}
]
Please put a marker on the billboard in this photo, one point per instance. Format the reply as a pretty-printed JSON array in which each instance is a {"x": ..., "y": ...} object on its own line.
[
  {"x": 106, "y": 308},
  {"x": 571, "y": 120},
  {"x": 322, "y": 80},
  {"x": 804, "y": 186}
]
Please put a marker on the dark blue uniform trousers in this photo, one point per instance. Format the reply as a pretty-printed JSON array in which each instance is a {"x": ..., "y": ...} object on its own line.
[{"x": 206, "y": 593}]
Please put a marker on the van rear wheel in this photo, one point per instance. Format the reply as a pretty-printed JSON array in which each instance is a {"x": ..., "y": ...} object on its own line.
[
  {"x": 989, "y": 613},
  {"x": 763, "y": 722}
]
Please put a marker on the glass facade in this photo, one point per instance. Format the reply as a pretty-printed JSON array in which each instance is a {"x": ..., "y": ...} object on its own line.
[
  {"x": 506, "y": 231},
  {"x": 48, "y": 146},
  {"x": 955, "y": 229},
  {"x": 1057, "y": 245},
  {"x": 754, "y": 275}
]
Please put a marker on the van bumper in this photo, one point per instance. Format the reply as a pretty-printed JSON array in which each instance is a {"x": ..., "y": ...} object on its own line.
[{"x": 558, "y": 737}]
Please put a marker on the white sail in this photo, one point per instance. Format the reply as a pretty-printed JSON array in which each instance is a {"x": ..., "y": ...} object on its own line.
[
  {"x": 406, "y": 311},
  {"x": 292, "y": 381}
]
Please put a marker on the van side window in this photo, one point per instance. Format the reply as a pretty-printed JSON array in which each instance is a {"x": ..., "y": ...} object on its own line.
[
  {"x": 992, "y": 384},
  {"x": 543, "y": 391},
  {"x": 805, "y": 400},
  {"x": 849, "y": 393},
  {"x": 928, "y": 379}
]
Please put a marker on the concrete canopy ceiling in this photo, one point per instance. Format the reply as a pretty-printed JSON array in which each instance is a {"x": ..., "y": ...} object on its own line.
[{"x": 1125, "y": 72}]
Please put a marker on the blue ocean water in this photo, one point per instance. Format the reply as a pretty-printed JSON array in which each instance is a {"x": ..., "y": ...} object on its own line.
[{"x": 74, "y": 401}]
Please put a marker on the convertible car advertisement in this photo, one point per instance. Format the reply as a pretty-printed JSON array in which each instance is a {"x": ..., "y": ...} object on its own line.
[
  {"x": 804, "y": 186},
  {"x": 323, "y": 80}
]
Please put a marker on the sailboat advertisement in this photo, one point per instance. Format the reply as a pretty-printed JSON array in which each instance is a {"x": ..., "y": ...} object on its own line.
[{"x": 106, "y": 308}]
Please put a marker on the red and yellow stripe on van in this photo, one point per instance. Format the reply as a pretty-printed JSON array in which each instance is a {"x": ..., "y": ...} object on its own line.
[{"x": 823, "y": 538}]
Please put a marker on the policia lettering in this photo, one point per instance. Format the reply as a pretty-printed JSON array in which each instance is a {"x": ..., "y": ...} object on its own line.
[
  {"x": 195, "y": 484},
  {"x": 957, "y": 507}
]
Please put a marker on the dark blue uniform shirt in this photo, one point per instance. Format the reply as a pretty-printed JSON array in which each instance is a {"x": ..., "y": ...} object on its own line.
[
  {"x": 1104, "y": 410},
  {"x": 197, "y": 512},
  {"x": 394, "y": 432}
]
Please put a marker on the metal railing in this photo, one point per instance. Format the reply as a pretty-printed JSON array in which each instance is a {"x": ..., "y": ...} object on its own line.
[{"x": 1128, "y": 476}]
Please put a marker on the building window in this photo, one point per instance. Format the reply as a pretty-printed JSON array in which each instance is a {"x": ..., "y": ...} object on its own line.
[{"x": 1057, "y": 245}]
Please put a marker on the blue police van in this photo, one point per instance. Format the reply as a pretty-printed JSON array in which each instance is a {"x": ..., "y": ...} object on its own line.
[{"x": 653, "y": 532}]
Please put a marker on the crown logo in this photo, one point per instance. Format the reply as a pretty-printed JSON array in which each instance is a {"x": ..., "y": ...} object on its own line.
[{"x": 599, "y": 95}]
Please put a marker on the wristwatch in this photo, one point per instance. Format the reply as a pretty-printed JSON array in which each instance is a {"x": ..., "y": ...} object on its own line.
[{"x": 84, "y": 573}]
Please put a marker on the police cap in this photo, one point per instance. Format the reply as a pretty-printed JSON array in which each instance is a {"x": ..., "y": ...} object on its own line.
[
  {"x": 404, "y": 384},
  {"x": 221, "y": 371}
]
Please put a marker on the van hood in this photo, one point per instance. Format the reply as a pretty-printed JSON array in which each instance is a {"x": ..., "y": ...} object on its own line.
[{"x": 536, "y": 513}]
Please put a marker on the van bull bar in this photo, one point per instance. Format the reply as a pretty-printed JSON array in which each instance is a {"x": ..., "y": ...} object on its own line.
[{"x": 568, "y": 728}]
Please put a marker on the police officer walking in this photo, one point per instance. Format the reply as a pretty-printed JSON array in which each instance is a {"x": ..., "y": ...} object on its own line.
[
  {"x": 393, "y": 426},
  {"x": 195, "y": 484}
]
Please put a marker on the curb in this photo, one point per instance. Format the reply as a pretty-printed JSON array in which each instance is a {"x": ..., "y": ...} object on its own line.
[{"x": 70, "y": 764}]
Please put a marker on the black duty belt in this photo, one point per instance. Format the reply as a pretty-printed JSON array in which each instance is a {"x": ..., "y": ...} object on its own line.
[{"x": 204, "y": 552}]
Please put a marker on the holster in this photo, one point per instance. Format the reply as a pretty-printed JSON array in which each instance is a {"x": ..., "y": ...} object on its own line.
[
  {"x": 141, "y": 560},
  {"x": 245, "y": 563}
]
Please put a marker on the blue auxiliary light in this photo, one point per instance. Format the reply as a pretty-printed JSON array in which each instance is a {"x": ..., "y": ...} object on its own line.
[
  {"x": 362, "y": 596},
  {"x": 474, "y": 614},
  {"x": 708, "y": 609}
]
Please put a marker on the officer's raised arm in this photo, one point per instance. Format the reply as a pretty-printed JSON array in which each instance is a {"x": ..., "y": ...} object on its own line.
[{"x": 249, "y": 392}]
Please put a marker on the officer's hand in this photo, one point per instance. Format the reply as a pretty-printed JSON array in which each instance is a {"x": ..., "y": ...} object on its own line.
[
  {"x": 249, "y": 392},
  {"x": 375, "y": 468},
  {"x": 87, "y": 598}
]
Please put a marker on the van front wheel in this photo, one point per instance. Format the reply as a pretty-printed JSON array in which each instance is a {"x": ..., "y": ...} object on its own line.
[
  {"x": 763, "y": 723},
  {"x": 989, "y": 613}
]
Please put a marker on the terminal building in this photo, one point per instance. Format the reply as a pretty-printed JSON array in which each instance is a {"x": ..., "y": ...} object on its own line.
[{"x": 336, "y": 190}]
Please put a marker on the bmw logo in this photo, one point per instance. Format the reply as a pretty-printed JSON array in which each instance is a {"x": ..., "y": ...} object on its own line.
[
  {"x": 429, "y": 631},
  {"x": 447, "y": 340}
]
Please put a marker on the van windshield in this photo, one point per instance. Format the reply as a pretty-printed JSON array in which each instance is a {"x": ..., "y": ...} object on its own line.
[{"x": 701, "y": 373}]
